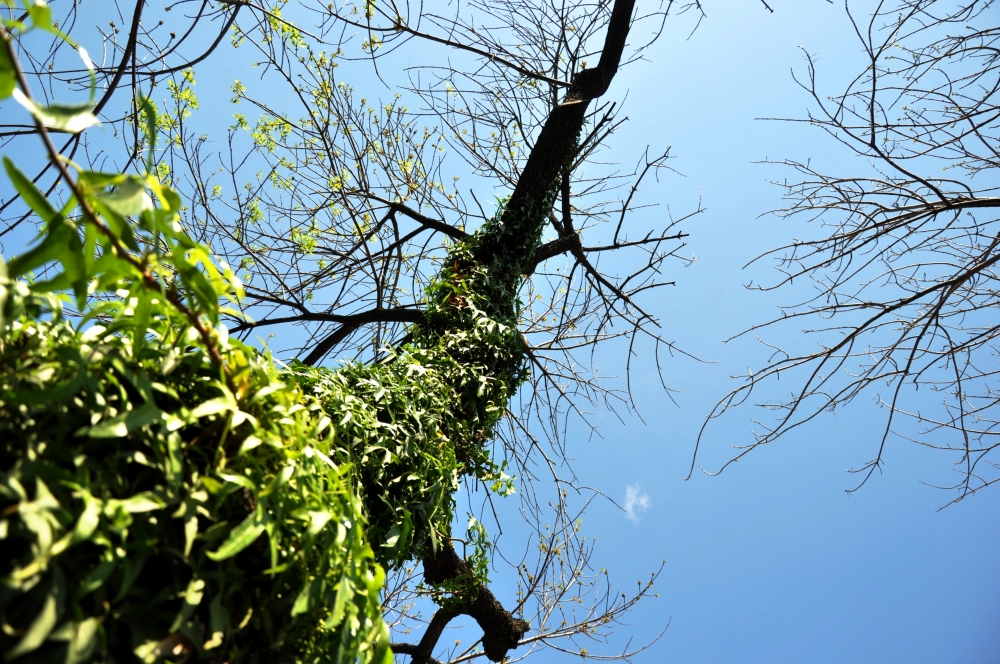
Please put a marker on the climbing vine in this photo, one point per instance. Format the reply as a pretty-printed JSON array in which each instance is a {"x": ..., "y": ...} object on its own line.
[{"x": 419, "y": 420}]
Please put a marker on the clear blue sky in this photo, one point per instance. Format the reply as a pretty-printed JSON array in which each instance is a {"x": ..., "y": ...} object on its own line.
[{"x": 771, "y": 561}]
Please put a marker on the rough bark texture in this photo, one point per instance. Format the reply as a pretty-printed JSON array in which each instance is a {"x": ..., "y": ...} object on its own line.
[
  {"x": 556, "y": 143},
  {"x": 501, "y": 630}
]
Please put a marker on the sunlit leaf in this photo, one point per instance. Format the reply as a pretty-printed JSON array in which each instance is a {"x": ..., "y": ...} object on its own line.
[
  {"x": 123, "y": 424},
  {"x": 8, "y": 77},
  {"x": 89, "y": 519},
  {"x": 39, "y": 630},
  {"x": 81, "y": 637},
  {"x": 302, "y": 602},
  {"x": 242, "y": 535},
  {"x": 41, "y": 15},
  {"x": 190, "y": 531},
  {"x": 213, "y": 407},
  {"x": 143, "y": 502},
  {"x": 32, "y": 195},
  {"x": 72, "y": 118},
  {"x": 89, "y": 64},
  {"x": 129, "y": 197},
  {"x": 149, "y": 108}
]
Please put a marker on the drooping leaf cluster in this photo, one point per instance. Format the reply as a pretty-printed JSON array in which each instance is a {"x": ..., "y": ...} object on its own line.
[
  {"x": 164, "y": 491},
  {"x": 152, "y": 514}
]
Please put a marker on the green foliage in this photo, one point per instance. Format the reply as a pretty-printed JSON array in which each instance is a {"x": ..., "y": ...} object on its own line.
[
  {"x": 72, "y": 118},
  {"x": 465, "y": 588},
  {"x": 136, "y": 485},
  {"x": 151, "y": 513},
  {"x": 406, "y": 436},
  {"x": 164, "y": 491}
]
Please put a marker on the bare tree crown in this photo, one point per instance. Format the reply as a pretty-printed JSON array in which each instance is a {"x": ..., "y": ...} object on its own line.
[{"x": 904, "y": 276}]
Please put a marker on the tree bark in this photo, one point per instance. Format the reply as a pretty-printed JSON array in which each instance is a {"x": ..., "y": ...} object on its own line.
[
  {"x": 501, "y": 630},
  {"x": 532, "y": 199}
]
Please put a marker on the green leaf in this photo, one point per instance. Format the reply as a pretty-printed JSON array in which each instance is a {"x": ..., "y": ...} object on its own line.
[
  {"x": 125, "y": 423},
  {"x": 195, "y": 591},
  {"x": 382, "y": 654},
  {"x": 190, "y": 531},
  {"x": 81, "y": 638},
  {"x": 8, "y": 77},
  {"x": 40, "y": 629},
  {"x": 72, "y": 118},
  {"x": 242, "y": 535},
  {"x": 238, "y": 480},
  {"x": 117, "y": 223},
  {"x": 143, "y": 311},
  {"x": 97, "y": 180},
  {"x": 345, "y": 592},
  {"x": 302, "y": 602},
  {"x": 392, "y": 537},
  {"x": 250, "y": 443},
  {"x": 89, "y": 519},
  {"x": 170, "y": 360},
  {"x": 174, "y": 200},
  {"x": 213, "y": 407},
  {"x": 54, "y": 246},
  {"x": 129, "y": 198},
  {"x": 318, "y": 520},
  {"x": 89, "y": 64},
  {"x": 31, "y": 194},
  {"x": 219, "y": 618},
  {"x": 96, "y": 578},
  {"x": 132, "y": 567},
  {"x": 149, "y": 108},
  {"x": 41, "y": 15},
  {"x": 147, "y": 501},
  {"x": 54, "y": 394},
  {"x": 12, "y": 489}
]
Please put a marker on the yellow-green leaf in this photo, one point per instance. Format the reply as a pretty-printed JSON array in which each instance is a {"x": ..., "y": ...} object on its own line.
[
  {"x": 40, "y": 629},
  {"x": 242, "y": 535},
  {"x": 72, "y": 118}
]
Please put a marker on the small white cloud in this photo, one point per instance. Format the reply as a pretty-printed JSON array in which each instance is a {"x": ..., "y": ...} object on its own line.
[{"x": 636, "y": 502}]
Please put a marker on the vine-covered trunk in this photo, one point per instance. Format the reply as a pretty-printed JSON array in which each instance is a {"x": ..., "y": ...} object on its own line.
[{"x": 478, "y": 288}]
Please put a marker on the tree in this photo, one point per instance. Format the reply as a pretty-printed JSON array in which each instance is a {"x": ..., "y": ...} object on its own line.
[
  {"x": 904, "y": 281},
  {"x": 351, "y": 232}
]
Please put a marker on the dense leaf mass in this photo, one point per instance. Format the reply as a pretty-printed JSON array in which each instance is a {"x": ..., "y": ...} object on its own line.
[
  {"x": 102, "y": 430},
  {"x": 141, "y": 490},
  {"x": 415, "y": 423}
]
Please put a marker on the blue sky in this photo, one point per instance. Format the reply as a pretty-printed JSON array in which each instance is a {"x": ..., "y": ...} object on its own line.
[{"x": 771, "y": 561}]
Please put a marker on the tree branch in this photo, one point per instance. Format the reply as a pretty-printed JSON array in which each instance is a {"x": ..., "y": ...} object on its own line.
[
  {"x": 422, "y": 219},
  {"x": 557, "y": 140},
  {"x": 501, "y": 630},
  {"x": 351, "y": 323},
  {"x": 554, "y": 248},
  {"x": 377, "y": 315}
]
